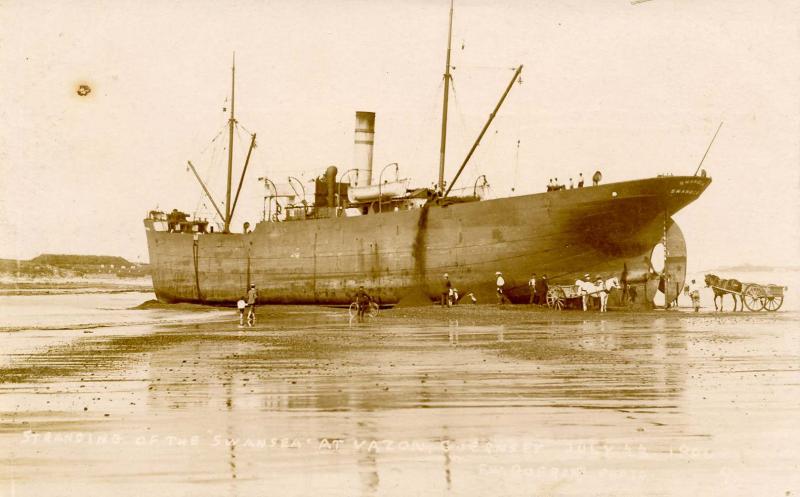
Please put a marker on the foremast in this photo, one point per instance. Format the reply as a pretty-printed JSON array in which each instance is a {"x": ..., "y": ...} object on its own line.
[
  {"x": 231, "y": 121},
  {"x": 447, "y": 77},
  {"x": 229, "y": 207},
  {"x": 441, "y": 192}
]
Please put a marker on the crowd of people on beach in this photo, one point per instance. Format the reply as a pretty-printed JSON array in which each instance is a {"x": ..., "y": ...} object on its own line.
[
  {"x": 538, "y": 289},
  {"x": 537, "y": 286},
  {"x": 450, "y": 296}
]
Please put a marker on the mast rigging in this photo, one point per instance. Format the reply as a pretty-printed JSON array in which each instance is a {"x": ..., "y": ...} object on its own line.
[
  {"x": 485, "y": 127},
  {"x": 208, "y": 194}
]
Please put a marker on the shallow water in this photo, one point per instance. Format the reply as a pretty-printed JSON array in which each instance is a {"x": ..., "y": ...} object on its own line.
[
  {"x": 469, "y": 401},
  {"x": 87, "y": 311}
]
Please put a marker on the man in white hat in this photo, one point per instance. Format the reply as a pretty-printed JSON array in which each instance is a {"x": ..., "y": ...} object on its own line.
[
  {"x": 532, "y": 288},
  {"x": 501, "y": 296},
  {"x": 584, "y": 285}
]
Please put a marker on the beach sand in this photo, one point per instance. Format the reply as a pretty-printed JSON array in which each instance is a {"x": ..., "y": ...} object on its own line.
[{"x": 472, "y": 400}]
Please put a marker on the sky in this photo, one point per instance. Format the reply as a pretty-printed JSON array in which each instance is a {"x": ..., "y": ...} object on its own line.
[{"x": 632, "y": 90}]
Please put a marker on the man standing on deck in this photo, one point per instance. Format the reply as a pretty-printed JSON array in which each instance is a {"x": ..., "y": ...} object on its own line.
[
  {"x": 252, "y": 295},
  {"x": 580, "y": 180},
  {"x": 447, "y": 288}
]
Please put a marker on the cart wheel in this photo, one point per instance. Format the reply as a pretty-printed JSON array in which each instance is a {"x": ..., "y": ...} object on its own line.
[
  {"x": 556, "y": 298},
  {"x": 773, "y": 303},
  {"x": 754, "y": 298}
]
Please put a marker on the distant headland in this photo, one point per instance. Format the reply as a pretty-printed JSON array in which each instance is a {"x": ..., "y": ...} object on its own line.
[{"x": 72, "y": 273}]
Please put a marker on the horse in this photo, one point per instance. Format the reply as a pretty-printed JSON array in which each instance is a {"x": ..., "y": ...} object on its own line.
[
  {"x": 722, "y": 287},
  {"x": 608, "y": 285},
  {"x": 601, "y": 290}
]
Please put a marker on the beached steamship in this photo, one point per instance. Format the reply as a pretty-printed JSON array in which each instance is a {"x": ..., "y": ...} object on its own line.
[{"x": 397, "y": 241}]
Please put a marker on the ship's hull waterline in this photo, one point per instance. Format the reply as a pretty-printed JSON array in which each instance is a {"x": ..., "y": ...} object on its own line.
[{"x": 403, "y": 254}]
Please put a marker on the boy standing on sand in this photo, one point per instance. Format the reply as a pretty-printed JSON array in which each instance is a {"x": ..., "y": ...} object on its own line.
[
  {"x": 693, "y": 289},
  {"x": 241, "y": 305}
]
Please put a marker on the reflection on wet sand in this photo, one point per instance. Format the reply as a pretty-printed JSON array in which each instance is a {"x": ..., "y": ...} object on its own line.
[{"x": 480, "y": 402}]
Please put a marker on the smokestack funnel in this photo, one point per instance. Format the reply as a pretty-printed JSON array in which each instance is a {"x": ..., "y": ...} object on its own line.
[
  {"x": 330, "y": 180},
  {"x": 364, "y": 139}
]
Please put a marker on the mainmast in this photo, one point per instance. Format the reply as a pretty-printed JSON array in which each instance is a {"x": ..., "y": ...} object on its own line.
[
  {"x": 231, "y": 122},
  {"x": 444, "y": 104}
]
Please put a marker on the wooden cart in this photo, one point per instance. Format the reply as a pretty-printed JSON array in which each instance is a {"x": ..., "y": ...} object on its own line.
[
  {"x": 558, "y": 295},
  {"x": 757, "y": 297}
]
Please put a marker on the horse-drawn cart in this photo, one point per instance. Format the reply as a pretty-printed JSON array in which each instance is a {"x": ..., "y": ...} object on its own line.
[
  {"x": 758, "y": 297},
  {"x": 754, "y": 296},
  {"x": 558, "y": 295}
]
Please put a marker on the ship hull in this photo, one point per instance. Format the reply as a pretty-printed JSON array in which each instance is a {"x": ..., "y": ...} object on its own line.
[{"x": 402, "y": 255}]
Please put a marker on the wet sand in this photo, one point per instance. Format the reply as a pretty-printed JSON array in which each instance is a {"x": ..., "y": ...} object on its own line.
[{"x": 473, "y": 400}]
